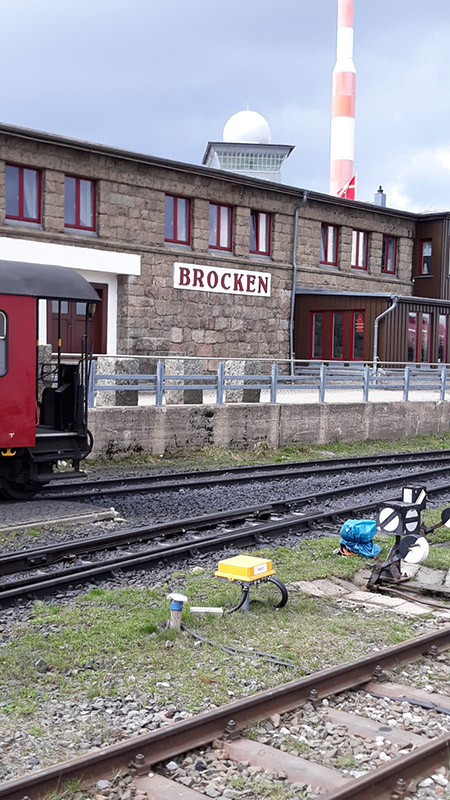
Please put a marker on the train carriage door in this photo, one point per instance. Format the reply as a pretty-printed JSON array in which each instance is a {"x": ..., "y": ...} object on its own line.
[{"x": 17, "y": 372}]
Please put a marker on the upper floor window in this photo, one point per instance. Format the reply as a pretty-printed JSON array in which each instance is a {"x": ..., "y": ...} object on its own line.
[
  {"x": 3, "y": 344},
  {"x": 329, "y": 244},
  {"x": 79, "y": 203},
  {"x": 360, "y": 250},
  {"x": 260, "y": 233},
  {"x": 177, "y": 221},
  {"x": 23, "y": 193},
  {"x": 425, "y": 252},
  {"x": 389, "y": 255},
  {"x": 220, "y": 227}
]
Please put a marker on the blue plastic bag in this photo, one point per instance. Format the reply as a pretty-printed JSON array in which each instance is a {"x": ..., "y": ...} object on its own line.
[{"x": 357, "y": 536}]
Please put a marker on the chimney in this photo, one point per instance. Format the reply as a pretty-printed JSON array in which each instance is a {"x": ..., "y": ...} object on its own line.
[
  {"x": 342, "y": 148},
  {"x": 379, "y": 197}
]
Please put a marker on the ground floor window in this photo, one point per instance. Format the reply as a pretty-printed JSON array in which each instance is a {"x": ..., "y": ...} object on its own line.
[
  {"x": 337, "y": 335},
  {"x": 442, "y": 338},
  {"x": 419, "y": 336}
]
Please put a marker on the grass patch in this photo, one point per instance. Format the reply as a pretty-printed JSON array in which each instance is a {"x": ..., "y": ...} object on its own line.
[
  {"x": 115, "y": 642},
  {"x": 210, "y": 457}
]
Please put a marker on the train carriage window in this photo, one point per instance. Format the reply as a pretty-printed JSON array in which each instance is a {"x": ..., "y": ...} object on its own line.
[{"x": 3, "y": 344}]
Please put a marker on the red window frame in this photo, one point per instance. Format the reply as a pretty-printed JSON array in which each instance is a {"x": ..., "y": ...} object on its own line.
[
  {"x": 349, "y": 317},
  {"x": 421, "y": 244},
  {"x": 175, "y": 239},
  {"x": 258, "y": 250},
  {"x": 419, "y": 315},
  {"x": 446, "y": 327},
  {"x": 352, "y": 343},
  {"x": 386, "y": 240},
  {"x": 21, "y": 216},
  {"x": 78, "y": 225},
  {"x": 217, "y": 245},
  {"x": 357, "y": 250},
  {"x": 326, "y": 260},
  {"x": 311, "y": 335},
  {"x": 332, "y": 315}
]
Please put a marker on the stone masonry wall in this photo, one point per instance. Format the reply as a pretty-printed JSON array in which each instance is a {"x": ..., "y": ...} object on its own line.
[{"x": 156, "y": 318}]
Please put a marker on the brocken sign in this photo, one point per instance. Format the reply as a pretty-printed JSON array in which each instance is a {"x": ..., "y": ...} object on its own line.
[{"x": 217, "y": 279}]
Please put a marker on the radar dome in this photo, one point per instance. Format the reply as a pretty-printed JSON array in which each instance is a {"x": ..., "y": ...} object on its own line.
[{"x": 247, "y": 127}]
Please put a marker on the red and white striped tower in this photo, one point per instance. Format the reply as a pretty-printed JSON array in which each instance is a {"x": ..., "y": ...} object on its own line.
[{"x": 342, "y": 149}]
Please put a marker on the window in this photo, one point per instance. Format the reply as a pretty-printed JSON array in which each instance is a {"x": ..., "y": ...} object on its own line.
[
  {"x": 220, "y": 227},
  {"x": 3, "y": 344},
  {"x": 23, "y": 193},
  {"x": 442, "y": 338},
  {"x": 360, "y": 250},
  {"x": 260, "y": 234},
  {"x": 425, "y": 251},
  {"x": 389, "y": 256},
  {"x": 419, "y": 336},
  {"x": 177, "y": 223},
  {"x": 317, "y": 335},
  {"x": 358, "y": 328},
  {"x": 329, "y": 245},
  {"x": 337, "y": 350},
  {"x": 79, "y": 203},
  {"x": 412, "y": 335}
]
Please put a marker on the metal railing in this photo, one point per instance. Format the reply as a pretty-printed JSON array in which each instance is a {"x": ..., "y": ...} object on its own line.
[{"x": 319, "y": 377}]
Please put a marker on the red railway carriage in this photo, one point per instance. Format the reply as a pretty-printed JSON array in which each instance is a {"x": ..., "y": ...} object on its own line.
[{"x": 43, "y": 417}]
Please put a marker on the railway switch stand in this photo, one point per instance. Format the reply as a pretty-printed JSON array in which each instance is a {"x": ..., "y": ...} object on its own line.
[{"x": 250, "y": 571}]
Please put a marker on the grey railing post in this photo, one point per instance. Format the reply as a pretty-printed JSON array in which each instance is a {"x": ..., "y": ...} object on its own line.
[
  {"x": 159, "y": 383},
  {"x": 366, "y": 383},
  {"x": 407, "y": 378},
  {"x": 323, "y": 380},
  {"x": 91, "y": 386},
  {"x": 443, "y": 382},
  {"x": 273, "y": 383},
  {"x": 220, "y": 381}
]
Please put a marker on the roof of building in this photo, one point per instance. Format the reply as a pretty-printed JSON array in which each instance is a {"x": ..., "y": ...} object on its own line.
[
  {"x": 402, "y": 298},
  {"x": 223, "y": 175},
  {"x": 46, "y": 281}
]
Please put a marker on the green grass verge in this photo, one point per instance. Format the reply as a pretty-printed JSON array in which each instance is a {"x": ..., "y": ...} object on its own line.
[
  {"x": 210, "y": 457},
  {"x": 114, "y": 642}
]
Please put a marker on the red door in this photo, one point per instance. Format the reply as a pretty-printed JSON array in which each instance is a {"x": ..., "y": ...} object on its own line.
[
  {"x": 73, "y": 323},
  {"x": 17, "y": 371}
]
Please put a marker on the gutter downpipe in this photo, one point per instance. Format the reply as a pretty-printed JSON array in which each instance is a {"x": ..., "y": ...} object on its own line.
[
  {"x": 294, "y": 280},
  {"x": 395, "y": 299}
]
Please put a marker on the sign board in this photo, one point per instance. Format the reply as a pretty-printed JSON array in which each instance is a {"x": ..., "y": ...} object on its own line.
[{"x": 224, "y": 281}]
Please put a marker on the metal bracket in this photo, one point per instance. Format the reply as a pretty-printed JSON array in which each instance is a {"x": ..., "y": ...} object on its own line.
[{"x": 232, "y": 731}]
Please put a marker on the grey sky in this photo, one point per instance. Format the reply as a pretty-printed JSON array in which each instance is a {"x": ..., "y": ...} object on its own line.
[{"x": 163, "y": 77}]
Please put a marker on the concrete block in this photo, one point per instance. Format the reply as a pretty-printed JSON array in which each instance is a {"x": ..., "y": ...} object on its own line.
[
  {"x": 183, "y": 366},
  {"x": 238, "y": 367},
  {"x": 375, "y": 599},
  {"x": 434, "y": 576},
  {"x": 107, "y": 365},
  {"x": 412, "y": 609}
]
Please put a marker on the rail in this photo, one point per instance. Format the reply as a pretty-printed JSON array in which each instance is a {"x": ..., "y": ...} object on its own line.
[{"x": 309, "y": 377}]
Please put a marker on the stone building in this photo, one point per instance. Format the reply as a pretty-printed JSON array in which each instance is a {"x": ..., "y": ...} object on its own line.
[{"x": 202, "y": 262}]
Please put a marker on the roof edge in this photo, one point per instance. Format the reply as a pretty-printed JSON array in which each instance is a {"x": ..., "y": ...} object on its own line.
[{"x": 228, "y": 177}]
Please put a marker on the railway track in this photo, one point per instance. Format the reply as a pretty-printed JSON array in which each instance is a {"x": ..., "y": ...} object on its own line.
[
  {"x": 224, "y": 729},
  {"x": 245, "y": 527},
  {"x": 234, "y": 475}
]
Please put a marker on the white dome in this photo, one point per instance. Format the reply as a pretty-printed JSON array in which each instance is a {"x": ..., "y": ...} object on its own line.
[{"x": 247, "y": 126}]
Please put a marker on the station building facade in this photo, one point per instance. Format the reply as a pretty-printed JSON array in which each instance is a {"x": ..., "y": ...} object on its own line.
[{"x": 196, "y": 261}]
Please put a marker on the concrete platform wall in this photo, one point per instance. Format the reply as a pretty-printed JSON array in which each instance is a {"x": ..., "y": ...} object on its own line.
[{"x": 124, "y": 431}]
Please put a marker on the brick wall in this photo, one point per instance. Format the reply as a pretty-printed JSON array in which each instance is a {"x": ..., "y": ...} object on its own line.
[{"x": 153, "y": 316}]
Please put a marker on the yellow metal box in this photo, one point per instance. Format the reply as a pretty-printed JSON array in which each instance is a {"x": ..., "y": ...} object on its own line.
[{"x": 244, "y": 568}]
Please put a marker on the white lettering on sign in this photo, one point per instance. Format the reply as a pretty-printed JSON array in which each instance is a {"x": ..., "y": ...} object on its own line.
[{"x": 217, "y": 279}]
